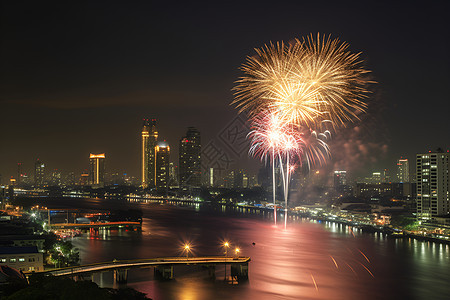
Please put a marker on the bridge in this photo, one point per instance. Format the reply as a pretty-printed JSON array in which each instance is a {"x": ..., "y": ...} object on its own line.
[
  {"x": 163, "y": 267},
  {"x": 96, "y": 225}
]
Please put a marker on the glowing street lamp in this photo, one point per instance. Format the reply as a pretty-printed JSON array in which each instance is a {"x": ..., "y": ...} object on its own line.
[
  {"x": 237, "y": 250},
  {"x": 187, "y": 248},
  {"x": 226, "y": 245}
]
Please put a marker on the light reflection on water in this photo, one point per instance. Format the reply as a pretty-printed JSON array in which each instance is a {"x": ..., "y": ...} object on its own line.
[{"x": 343, "y": 262}]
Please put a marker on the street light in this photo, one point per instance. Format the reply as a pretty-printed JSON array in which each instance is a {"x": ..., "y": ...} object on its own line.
[
  {"x": 226, "y": 245},
  {"x": 187, "y": 248},
  {"x": 237, "y": 250}
]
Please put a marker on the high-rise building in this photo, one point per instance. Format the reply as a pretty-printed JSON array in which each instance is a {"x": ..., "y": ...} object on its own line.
[
  {"x": 253, "y": 181},
  {"x": 97, "y": 169},
  {"x": 340, "y": 179},
  {"x": 55, "y": 178},
  {"x": 403, "y": 170},
  {"x": 84, "y": 178},
  {"x": 238, "y": 179},
  {"x": 148, "y": 159},
  {"x": 39, "y": 173},
  {"x": 433, "y": 197},
  {"x": 162, "y": 166},
  {"x": 376, "y": 178},
  {"x": 341, "y": 183},
  {"x": 173, "y": 178},
  {"x": 189, "y": 159},
  {"x": 70, "y": 179},
  {"x": 211, "y": 181},
  {"x": 386, "y": 177},
  {"x": 229, "y": 180}
]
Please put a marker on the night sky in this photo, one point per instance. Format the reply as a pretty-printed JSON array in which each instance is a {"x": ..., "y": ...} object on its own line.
[{"x": 79, "y": 77}]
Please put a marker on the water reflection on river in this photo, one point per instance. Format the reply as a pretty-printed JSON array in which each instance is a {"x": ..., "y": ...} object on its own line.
[{"x": 311, "y": 260}]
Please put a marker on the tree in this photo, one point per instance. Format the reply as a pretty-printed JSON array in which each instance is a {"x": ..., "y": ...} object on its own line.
[
  {"x": 64, "y": 254},
  {"x": 49, "y": 288}
]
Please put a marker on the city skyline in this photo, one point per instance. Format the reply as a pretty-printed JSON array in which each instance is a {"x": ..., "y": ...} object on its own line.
[
  {"x": 87, "y": 103},
  {"x": 29, "y": 169}
]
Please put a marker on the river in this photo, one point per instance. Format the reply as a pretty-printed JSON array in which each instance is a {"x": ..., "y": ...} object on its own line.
[{"x": 309, "y": 260}]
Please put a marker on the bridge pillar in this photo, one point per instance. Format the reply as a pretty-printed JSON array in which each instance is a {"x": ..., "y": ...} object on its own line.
[
  {"x": 212, "y": 272},
  {"x": 163, "y": 272},
  {"x": 239, "y": 272},
  {"x": 120, "y": 275},
  {"x": 83, "y": 277}
]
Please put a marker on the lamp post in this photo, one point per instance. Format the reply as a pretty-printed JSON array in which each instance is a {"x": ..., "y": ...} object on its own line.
[
  {"x": 187, "y": 248},
  {"x": 226, "y": 245}
]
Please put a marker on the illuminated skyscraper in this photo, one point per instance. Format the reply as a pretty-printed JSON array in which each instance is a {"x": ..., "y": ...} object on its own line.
[
  {"x": 162, "y": 166},
  {"x": 403, "y": 170},
  {"x": 173, "y": 178},
  {"x": 238, "y": 179},
  {"x": 433, "y": 197},
  {"x": 55, "y": 178},
  {"x": 211, "y": 174},
  {"x": 84, "y": 178},
  {"x": 97, "y": 169},
  {"x": 39, "y": 173},
  {"x": 70, "y": 179},
  {"x": 376, "y": 178},
  {"x": 189, "y": 159},
  {"x": 148, "y": 159},
  {"x": 341, "y": 183},
  {"x": 340, "y": 179}
]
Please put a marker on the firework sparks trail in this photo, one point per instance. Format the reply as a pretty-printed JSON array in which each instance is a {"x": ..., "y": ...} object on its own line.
[
  {"x": 316, "y": 151},
  {"x": 364, "y": 256},
  {"x": 352, "y": 269},
  {"x": 351, "y": 231},
  {"x": 285, "y": 178},
  {"x": 366, "y": 269},
  {"x": 335, "y": 263},
  {"x": 314, "y": 281},
  {"x": 273, "y": 189},
  {"x": 271, "y": 137}
]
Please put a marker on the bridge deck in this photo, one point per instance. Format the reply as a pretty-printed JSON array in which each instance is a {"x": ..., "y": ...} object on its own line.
[
  {"x": 142, "y": 263},
  {"x": 93, "y": 225}
]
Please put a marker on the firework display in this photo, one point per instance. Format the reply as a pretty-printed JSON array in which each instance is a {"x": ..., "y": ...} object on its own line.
[
  {"x": 310, "y": 81},
  {"x": 294, "y": 94}
]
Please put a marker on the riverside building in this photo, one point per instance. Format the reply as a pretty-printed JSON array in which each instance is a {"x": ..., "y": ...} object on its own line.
[
  {"x": 433, "y": 197},
  {"x": 190, "y": 158},
  {"x": 149, "y": 137}
]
